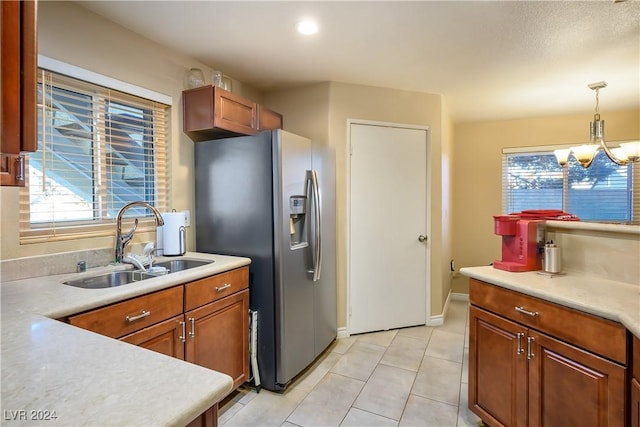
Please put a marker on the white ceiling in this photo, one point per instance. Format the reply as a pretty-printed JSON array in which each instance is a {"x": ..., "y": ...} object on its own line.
[{"x": 489, "y": 59}]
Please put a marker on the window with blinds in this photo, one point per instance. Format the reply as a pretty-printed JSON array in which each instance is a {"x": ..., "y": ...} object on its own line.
[
  {"x": 604, "y": 192},
  {"x": 98, "y": 149}
]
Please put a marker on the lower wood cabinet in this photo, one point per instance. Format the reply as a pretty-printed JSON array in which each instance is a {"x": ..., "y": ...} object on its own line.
[
  {"x": 219, "y": 336},
  {"x": 497, "y": 371},
  {"x": 635, "y": 384},
  {"x": 208, "y": 418},
  {"x": 635, "y": 403},
  {"x": 165, "y": 337},
  {"x": 205, "y": 322},
  {"x": 522, "y": 376}
]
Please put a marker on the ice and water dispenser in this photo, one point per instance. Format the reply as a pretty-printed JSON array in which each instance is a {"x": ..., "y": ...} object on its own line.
[{"x": 297, "y": 220}]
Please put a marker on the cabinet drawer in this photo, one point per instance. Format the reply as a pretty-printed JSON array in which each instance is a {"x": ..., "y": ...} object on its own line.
[
  {"x": 204, "y": 291},
  {"x": 593, "y": 333},
  {"x": 129, "y": 316}
]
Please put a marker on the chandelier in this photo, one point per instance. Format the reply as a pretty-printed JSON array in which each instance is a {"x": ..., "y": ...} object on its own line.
[{"x": 584, "y": 154}]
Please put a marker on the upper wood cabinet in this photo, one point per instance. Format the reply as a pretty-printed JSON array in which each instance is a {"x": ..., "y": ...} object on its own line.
[
  {"x": 18, "y": 80},
  {"x": 268, "y": 119},
  {"x": 210, "y": 112}
]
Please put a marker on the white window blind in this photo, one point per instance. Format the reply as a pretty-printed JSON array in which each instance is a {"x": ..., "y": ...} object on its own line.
[
  {"x": 98, "y": 149},
  {"x": 604, "y": 192}
]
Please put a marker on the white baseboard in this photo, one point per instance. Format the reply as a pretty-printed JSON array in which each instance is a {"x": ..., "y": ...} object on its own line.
[
  {"x": 342, "y": 333},
  {"x": 437, "y": 320},
  {"x": 459, "y": 297}
]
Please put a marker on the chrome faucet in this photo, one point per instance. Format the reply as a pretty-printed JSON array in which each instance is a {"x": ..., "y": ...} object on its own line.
[{"x": 123, "y": 239}]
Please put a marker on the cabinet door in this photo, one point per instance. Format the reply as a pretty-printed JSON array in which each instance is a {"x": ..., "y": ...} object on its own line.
[
  {"x": 234, "y": 113},
  {"x": 165, "y": 337},
  {"x": 17, "y": 88},
  {"x": 12, "y": 170},
  {"x": 572, "y": 387},
  {"x": 268, "y": 119},
  {"x": 497, "y": 369},
  {"x": 18, "y": 77},
  {"x": 218, "y": 336},
  {"x": 10, "y": 77},
  {"x": 635, "y": 403}
]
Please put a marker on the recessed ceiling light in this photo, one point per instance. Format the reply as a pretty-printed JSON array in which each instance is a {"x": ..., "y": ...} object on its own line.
[{"x": 307, "y": 27}]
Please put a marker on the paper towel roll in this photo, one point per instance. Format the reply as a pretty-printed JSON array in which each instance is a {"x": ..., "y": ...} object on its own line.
[{"x": 173, "y": 233}]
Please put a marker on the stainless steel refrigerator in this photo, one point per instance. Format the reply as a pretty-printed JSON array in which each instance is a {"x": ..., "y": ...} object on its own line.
[{"x": 260, "y": 197}]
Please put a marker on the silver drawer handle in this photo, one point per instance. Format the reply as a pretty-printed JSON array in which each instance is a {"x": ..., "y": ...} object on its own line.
[
  {"x": 530, "y": 354},
  {"x": 519, "y": 337},
  {"x": 139, "y": 316},
  {"x": 183, "y": 336},
  {"x": 527, "y": 312},
  {"x": 192, "y": 332},
  {"x": 223, "y": 287}
]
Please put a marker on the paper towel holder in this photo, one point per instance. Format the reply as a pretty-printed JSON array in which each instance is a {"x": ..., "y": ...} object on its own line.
[{"x": 174, "y": 223}]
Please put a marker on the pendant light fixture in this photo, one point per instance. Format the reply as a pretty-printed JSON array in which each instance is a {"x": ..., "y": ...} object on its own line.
[{"x": 584, "y": 154}]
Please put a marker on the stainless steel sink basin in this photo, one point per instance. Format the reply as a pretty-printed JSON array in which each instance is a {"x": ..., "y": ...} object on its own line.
[
  {"x": 109, "y": 280},
  {"x": 119, "y": 278},
  {"x": 176, "y": 265}
]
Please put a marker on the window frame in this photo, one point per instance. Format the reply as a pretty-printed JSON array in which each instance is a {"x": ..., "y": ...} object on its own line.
[
  {"x": 103, "y": 226},
  {"x": 633, "y": 180}
]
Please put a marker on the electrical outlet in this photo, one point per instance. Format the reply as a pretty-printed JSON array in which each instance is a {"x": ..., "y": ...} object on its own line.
[{"x": 187, "y": 218}]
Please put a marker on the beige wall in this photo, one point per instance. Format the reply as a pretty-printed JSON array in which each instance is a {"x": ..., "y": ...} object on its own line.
[
  {"x": 464, "y": 159},
  {"x": 318, "y": 111},
  {"x": 477, "y": 173},
  {"x": 305, "y": 111},
  {"x": 72, "y": 34}
]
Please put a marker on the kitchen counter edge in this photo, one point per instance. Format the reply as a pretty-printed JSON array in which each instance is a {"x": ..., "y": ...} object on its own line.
[
  {"x": 82, "y": 378},
  {"x": 617, "y": 301}
]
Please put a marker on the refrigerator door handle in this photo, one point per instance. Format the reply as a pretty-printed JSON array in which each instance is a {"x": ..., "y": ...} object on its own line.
[{"x": 312, "y": 178}]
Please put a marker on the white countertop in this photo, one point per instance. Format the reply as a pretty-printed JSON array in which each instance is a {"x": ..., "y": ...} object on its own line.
[
  {"x": 50, "y": 367},
  {"x": 612, "y": 300}
]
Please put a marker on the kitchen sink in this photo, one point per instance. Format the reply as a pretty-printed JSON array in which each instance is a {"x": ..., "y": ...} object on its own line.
[
  {"x": 119, "y": 278},
  {"x": 109, "y": 280},
  {"x": 176, "y": 265}
]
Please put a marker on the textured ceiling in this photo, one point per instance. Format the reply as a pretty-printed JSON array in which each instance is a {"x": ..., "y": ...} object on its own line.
[{"x": 489, "y": 59}]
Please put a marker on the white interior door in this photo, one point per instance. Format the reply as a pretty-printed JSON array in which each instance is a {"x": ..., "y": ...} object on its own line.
[{"x": 388, "y": 216}]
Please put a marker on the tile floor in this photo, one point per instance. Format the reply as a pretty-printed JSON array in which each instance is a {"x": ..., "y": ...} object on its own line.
[{"x": 405, "y": 377}]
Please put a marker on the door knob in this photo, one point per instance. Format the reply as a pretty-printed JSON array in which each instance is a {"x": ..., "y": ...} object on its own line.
[{"x": 422, "y": 238}]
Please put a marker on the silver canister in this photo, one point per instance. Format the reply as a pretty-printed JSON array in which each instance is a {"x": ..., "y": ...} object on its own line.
[{"x": 552, "y": 258}]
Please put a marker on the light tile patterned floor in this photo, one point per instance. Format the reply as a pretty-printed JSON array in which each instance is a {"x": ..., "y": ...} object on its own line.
[{"x": 405, "y": 377}]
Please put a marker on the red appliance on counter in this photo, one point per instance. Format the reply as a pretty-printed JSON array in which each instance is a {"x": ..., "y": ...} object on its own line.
[{"x": 523, "y": 238}]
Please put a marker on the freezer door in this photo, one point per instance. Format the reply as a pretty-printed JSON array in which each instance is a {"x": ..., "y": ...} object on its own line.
[
  {"x": 234, "y": 216},
  {"x": 294, "y": 284}
]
